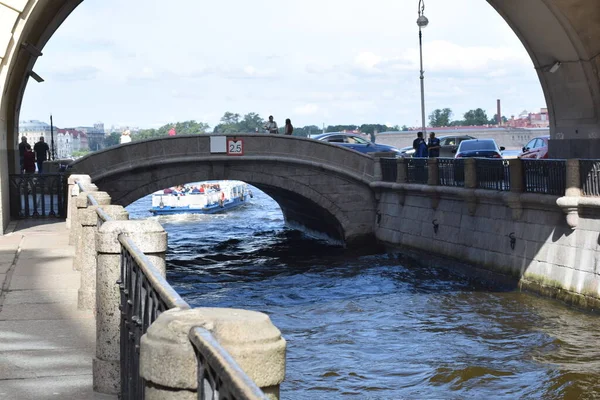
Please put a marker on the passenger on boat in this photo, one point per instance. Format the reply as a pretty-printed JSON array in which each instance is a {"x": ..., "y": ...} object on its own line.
[
  {"x": 168, "y": 191},
  {"x": 195, "y": 190}
]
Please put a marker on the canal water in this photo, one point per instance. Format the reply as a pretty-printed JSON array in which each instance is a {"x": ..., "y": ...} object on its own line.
[{"x": 374, "y": 326}]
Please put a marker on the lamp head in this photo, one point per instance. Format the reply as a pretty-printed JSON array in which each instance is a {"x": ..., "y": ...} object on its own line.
[{"x": 422, "y": 21}]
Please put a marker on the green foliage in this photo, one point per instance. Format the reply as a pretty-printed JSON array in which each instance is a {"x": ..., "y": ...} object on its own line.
[
  {"x": 231, "y": 123},
  {"x": 305, "y": 131},
  {"x": 80, "y": 153},
  {"x": 404, "y": 128},
  {"x": 476, "y": 117},
  {"x": 440, "y": 117},
  {"x": 181, "y": 128},
  {"x": 340, "y": 128},
  {"x": 494, "y": 120},
  {"x": 112, "y": 139},
  {"x": 371, "y": 128}
]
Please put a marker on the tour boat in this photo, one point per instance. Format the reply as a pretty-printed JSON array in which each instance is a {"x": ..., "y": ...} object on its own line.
[{"x": 208, "y": 197}]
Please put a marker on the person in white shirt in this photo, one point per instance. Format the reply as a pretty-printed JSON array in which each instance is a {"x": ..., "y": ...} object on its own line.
[
  {"x": 125, "y": 137},
  {"x": 271, "y": 126}
]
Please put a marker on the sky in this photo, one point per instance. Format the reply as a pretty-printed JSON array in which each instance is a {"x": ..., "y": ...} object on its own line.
[{"x": 145, "y": 63}]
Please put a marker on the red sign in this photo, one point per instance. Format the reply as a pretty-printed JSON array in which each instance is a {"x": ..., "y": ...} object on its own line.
[{"x": 235, "y": 147}]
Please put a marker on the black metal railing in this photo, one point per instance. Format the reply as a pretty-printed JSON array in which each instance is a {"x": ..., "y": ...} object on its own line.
[
  {"x": 589, "y": 173},
  {"x": 418, "y": 171},
  {"x": 492, "y": 174},
  {"x": 219, "y": 376},
  {"x": 545, "y": 176},
  {"x": 145, "y": 294},
  {"x": 451, "y": 172},
  {"x": 389, "y": 169},
  {"x": 38, "y": 195}
]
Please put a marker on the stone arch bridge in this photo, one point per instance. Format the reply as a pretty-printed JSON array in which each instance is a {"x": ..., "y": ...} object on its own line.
[
  {"x": 319, "y": 186},
  {"x": 561, "y": 36}
]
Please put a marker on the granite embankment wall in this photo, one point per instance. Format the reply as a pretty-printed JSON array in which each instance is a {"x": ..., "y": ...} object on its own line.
[
  {"x": 476, "y": 226},
  {"x": 512, "y": 139}
]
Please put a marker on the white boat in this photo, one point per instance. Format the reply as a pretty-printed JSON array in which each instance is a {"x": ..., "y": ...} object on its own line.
[{"x": 200, "y": 198}]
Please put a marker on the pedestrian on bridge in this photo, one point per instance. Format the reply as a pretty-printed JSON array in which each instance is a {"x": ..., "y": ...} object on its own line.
[
  {"x": 420, "y": 146},
  {"x": 289, "y": 129},
  {"x": 42, "y": 153},
  {"x": 433, "y": 145},
  {"x": 271, "y": 126},
  {"x": 22, "y": 148}
]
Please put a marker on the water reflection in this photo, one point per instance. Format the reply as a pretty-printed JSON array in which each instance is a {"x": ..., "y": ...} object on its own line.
[{"x": 363, "y": 325}]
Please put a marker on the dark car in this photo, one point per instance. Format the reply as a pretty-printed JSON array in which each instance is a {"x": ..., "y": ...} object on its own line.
[
  {"x": 355, "y": 142},
  {"x": 481, "y": 148},
  {"x": 537, "y": 148},
  {"x": 449, "y": 144}
]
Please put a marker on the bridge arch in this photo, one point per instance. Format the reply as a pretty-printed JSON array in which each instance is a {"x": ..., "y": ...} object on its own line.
[
  {"x": 551, "y": 30},
  {"x": 319, "y": 186}
]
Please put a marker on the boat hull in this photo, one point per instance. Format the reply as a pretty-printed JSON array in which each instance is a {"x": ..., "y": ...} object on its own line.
[{"x": 210, "y": 209}]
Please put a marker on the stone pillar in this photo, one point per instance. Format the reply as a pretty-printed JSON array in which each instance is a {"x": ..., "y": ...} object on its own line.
[
  {"x": 167, "y": 359},
  {"x": 72, "y": 193},
  {"x": 470, "y": 173},
  {"x": 86, "y": 299},
  {"x": 517, "y": 179},
  {"x": 151, "y": 239},
  {"x": 434, "y": 173},
  {"x": 75, "y": 231},
  {"x": 377, "y": 171},
  {"x": 82, "y": 205},
  {"x": 402, "y": 165},
  {"x": 573, "y": 178}
]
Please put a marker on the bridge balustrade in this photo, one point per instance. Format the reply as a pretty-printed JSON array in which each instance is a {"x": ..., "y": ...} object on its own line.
[
  {"x": 451, "y": 172},
  {"x": 418, "y": 170},
  {"x": 589, "y": 172},
  {"x": 544, "y": 176},
  {"x": 38, "y": 195},
  {"x": 389, "y": 169},
  {"x": 144, "y": 296},
  {"x": 492, "y": 174}
]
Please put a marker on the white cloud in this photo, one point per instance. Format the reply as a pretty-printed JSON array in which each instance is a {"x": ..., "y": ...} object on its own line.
[{"x": 307, "y": 109}]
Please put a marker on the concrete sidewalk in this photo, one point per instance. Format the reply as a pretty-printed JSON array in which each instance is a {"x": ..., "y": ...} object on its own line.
[{"x": 46, "y": 344}]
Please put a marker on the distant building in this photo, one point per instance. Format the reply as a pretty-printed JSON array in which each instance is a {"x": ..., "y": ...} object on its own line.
[
  {"x": 33, "y": 130},
  {"x": 69, "y": 141},
  {"x": 95, "y": 135},
  {"x": 530, "y": 120}
]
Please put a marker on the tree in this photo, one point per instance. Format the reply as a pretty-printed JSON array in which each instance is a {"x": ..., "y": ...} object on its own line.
[
  {"x": 182, "y": 128},
  {"x": 371, "y": 128},
  {"x": 306, "y": 131},
  {"x": 112, "y": 139},
  {"x": 494, "y": 120},
  {"x": 250, "y": 122},
  {"x": 476, "y": 117},
  {"x": 404, "y": 128},
  {"x": 440, "y": 117}
]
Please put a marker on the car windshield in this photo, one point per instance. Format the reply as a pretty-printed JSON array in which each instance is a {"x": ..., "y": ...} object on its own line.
[{"x": 470, "y": 145}]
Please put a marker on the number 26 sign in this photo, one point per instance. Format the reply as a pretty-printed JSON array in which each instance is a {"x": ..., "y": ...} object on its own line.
[{"x": 235, "y": 147}]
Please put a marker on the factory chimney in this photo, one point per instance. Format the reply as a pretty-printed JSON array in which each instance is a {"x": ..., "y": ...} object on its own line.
[{"x": 499, "y": 114}]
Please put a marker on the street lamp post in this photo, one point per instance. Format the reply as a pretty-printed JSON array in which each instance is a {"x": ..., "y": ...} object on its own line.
[{"x": 422, "y": 22}]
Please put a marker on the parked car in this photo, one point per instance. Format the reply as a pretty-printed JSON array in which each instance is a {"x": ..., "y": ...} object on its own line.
[
  {"x": 407, "y": 152},
  {"x": 355, "y": 142},
  {"x": 481, "y": 148},
  {"x": 536, "y": 148},
  {"x": 449, "y": 144}
]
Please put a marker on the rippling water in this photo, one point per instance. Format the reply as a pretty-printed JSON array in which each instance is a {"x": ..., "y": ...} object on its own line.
[{"x": 375, "y": 326}]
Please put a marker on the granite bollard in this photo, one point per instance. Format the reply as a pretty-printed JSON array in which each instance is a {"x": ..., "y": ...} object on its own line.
[{"x": 151, "y": 238}]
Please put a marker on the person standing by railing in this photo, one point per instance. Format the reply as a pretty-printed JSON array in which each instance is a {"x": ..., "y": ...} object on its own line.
[
  {"x": 271, "y": 126},
  {"x": 29, "y": 160},
  {"x": 22, "y": 148},
  {"x": 420, "y": 146},
  {"x": 433, "y": 146},
  {"x": 289, "y": 129},
  {"x": 42, "y": 153}
]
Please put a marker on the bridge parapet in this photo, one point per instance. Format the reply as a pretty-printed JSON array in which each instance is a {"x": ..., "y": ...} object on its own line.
[{"x": 123, "y": 268}]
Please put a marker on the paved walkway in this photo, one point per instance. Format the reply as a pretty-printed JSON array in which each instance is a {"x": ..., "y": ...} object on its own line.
[{"x": 46, "y": 344}]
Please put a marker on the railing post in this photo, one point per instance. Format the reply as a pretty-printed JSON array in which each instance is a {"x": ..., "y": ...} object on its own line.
[
  {"x": 72, "y": 193},
  {"x": 402, "y": 175},
  {"x": 151, "y": 239},
  {"x": 75, "y": 232},
  {"x": 169, "y": 365},
  {"x": 81, "y": 204},
  {"x": 517, "y": 179},
  {"x": 573, "y": 178},
  {"x": 86, "y": 299},
  {"x": 433, "y": 175},
  {"x": 377, "y": 171},
  {"x": 470, "y": 173}
]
